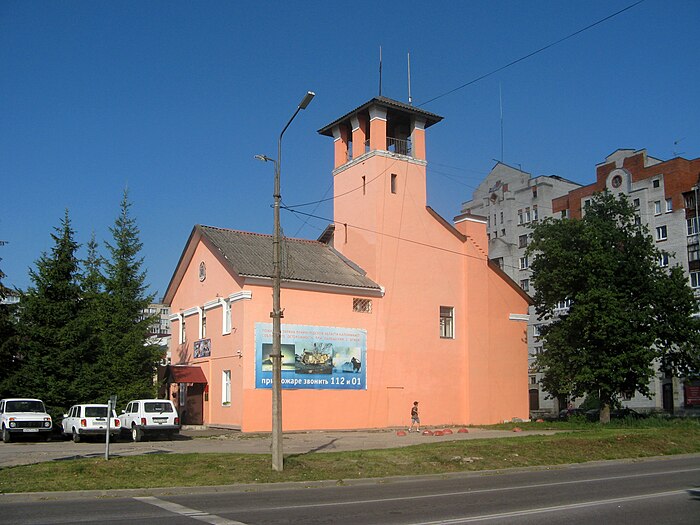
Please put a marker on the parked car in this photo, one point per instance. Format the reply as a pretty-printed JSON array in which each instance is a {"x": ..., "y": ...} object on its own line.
[
  {"x": 615, "y": 413},
  {"x": 89, "y": 420},
  {"x": 21, "y": 416},
  {"x": 568, "y": 413},
  {"x": 147, "y": 417}
]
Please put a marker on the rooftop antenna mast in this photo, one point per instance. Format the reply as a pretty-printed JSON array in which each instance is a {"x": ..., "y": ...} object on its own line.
[
  {"x": 380, "y": 71},
  {"x": 500, "y": 101},
  {"x": 410, "y": 101}
]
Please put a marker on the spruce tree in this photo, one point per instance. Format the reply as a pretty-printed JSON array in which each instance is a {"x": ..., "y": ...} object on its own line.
[
  {"x": 50, "y": 343},
  {"x": 7, "y": 335},
  {"x": 128, "y": 360}
]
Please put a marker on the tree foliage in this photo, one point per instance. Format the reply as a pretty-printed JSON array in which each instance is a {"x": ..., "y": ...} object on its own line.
[
  {"x": 79, "y": 333},
  {"x": 627, "y": 314}
]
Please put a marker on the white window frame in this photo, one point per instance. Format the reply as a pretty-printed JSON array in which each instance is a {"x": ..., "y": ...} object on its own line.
[
  {"x": 695, "y": 280},
  {"x": 663, "y": 260},
  {"x": 525, "y": 285},
  {"x": 523, "y": 263},
  {"x": 669, "y": 205},
  {"x": 447, "y": 322},
  {"x": 657, "y": 207},
  {"x": 692, "y": 225},
  {"x": 661, "y": 233},
  {"x": 226, "y": 387}
]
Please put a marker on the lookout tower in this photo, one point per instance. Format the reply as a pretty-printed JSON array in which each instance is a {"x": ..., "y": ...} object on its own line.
[{"x": 379, "y": 177}]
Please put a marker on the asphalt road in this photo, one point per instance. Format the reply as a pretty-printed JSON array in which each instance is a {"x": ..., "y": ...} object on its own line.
[{"x": 659, "y": 490}]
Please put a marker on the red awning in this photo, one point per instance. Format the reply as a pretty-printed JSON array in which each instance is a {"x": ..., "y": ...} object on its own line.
[{"x": 186, "y": 374}]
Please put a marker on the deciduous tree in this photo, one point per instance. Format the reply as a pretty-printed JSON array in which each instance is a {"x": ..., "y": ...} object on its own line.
[{"x": 627, "y": 314}]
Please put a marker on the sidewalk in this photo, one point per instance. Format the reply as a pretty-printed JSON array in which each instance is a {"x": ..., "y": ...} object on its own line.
[{"x": 227, "y": 441}]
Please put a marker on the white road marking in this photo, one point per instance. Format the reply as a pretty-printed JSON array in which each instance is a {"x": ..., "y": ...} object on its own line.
[
  {"x": 558, "y": 508},
  {"x": 190, "y": 513}
]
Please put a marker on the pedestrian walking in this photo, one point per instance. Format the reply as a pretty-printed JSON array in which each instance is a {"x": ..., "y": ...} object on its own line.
[{"x": 415, "y": 420}]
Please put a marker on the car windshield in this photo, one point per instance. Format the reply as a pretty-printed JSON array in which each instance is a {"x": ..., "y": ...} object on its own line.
[
  {"x": 158, "y": 407},
  {"x": 24, "y": 405},
  {"x": 95, "y": 411}
]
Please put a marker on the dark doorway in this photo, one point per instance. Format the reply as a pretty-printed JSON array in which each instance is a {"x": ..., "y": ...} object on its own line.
[
  {"x": 667, "y": 389},
  {"x": 194, "y": 405},
  {"x": 534, "y": 399}
]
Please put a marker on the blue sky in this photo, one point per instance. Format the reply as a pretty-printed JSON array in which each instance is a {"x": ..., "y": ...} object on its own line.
[{"x": 173, "y": 100}]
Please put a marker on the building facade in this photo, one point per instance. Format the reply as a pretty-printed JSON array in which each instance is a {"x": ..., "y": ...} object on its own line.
[
  {"x": 665, "y": 196},
  {"x": 513, "y": 201},
  {"x": 392, "y": 304}
]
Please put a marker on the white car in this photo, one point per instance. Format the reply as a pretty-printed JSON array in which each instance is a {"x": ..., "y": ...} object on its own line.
[
  {"x": 24, "y": 416},
  {"x": 89, "y": 420},
  {"x": 144, "y": 417}
]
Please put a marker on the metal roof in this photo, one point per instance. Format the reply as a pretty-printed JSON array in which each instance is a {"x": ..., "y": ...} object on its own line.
[
  {"x": 393, "y": 107},
  {"x": 250, "y": 255}
]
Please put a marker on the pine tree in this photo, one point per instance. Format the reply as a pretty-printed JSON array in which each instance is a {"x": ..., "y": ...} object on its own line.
[
  {"x": 628, "y": 315},
  {"x": 128, "y": 360},
  {"x": 8, "y": 330},
  {"x": 50, "y": 344}
]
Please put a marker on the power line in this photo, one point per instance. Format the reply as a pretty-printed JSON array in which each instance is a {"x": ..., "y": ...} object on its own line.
[{"x": 540, "y": 50}]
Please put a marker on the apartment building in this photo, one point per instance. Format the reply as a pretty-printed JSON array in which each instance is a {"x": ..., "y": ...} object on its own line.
[{"x": 513, "y": 201}]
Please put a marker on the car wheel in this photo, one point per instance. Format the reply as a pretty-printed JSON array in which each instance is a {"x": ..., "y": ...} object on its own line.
[
  {"x": 6, "y": 436},
  {"x": 76, "y": 436},
  {"x": 136, "y": 433}
]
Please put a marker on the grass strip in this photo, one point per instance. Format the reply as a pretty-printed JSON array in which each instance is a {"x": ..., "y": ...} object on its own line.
[{"x": 578, "y": 443}]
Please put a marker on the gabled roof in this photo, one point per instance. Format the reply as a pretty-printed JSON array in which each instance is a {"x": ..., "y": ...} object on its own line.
[
  {"x": 392, "y": 107},
  {"x": 250, "y": 255}
]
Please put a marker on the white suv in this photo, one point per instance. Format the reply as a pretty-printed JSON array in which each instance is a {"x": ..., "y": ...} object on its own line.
[
  {"x": 24, "y": 416},
  {"x": 144, "y": 417},
  {"x": 89, "y": 420}
]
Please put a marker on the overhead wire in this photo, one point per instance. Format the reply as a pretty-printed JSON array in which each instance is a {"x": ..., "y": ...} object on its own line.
[{"x": 533, "y": 53}]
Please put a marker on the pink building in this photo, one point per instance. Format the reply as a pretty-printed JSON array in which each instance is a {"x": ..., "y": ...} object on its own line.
[{"x": 392, "y": 304}]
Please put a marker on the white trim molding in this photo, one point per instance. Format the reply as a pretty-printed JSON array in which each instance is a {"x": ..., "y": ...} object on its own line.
[{"x": 519, "y": 317}]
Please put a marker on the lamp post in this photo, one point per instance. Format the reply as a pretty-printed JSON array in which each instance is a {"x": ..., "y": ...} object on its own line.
[{"x": 276, "y": 314}]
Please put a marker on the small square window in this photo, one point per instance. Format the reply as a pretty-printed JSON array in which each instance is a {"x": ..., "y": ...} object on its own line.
[
  {"x": 656, "y": 183},
  {"x": 525, "y": 285},
  {"x": 522, "y": 241},
  {"x": 636, "y": 203},
  {"x": 362, "y": 305}
]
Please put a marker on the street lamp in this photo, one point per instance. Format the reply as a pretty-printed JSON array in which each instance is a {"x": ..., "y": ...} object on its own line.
[{"x": 276, "y": 314}]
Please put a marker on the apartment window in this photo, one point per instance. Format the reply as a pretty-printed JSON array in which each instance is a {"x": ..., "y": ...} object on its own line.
[
  {"x": 669, "y": 205},
  {"x": 447, "y": 329},
  {"x": 563, "y": 305},
  {"x": 536, "y": 330},
  {"x": 533, "y": 380},
  {"x": 637, "y": 220},
  {"x": 586, "y": 203},
  {"x": 527, "y": 215},
  {"x": 535, "y": 215},
  {"x": 656, "y": 183},
  {"x": 225, "y": 387},
  {"x": 564, "y": 214},
  {"x": 499, "y": 262},
  {"x": 692, "y": 226},
  {"x": 534, "y": 192},
  {"x": 393, "y": 183},
  {"x": 693, "y": 252},
  {"x": 362, "y": 305},
  {"x": 661, "y": 233},
  {"x": 522, "y": 241},
  {"x": 695, "y": 279},
  {"x": 503, "y": 232},
  {"x": 520, "y": 216},
  {"x": 523, "y": 265},
  {"x": 636, "y": 203},
  {"x": 501, "y": 217},
  {"x": 525, "y": 285},
  {"x": 663, "y": 260},
  {"x": 657, "y": 207}
]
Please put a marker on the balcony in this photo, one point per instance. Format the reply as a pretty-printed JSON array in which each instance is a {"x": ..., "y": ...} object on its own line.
[{"x": 394, "y": 145}]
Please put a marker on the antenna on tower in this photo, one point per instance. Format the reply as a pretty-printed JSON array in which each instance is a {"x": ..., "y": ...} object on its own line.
[
  {"x": 500, "y": 101},
  {"x": 380, "y": 71},
  {"x": 410, "y": 101}
]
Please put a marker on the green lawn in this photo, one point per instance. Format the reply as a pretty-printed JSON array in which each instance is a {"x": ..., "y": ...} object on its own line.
[{"x": 579, "y": 442}]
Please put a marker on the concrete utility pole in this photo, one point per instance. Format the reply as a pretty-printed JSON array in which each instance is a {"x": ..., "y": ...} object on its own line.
[{"x": 276, "y": 314}]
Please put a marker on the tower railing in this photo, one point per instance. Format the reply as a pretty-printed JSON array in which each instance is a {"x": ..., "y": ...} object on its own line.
[{"x": 394, "y": 145}]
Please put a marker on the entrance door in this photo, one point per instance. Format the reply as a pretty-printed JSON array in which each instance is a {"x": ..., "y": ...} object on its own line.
[
  {"x": 194, "y": 413},
  {"x": 667, "y": 390},
  {"x": 534, "y": 399}
]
